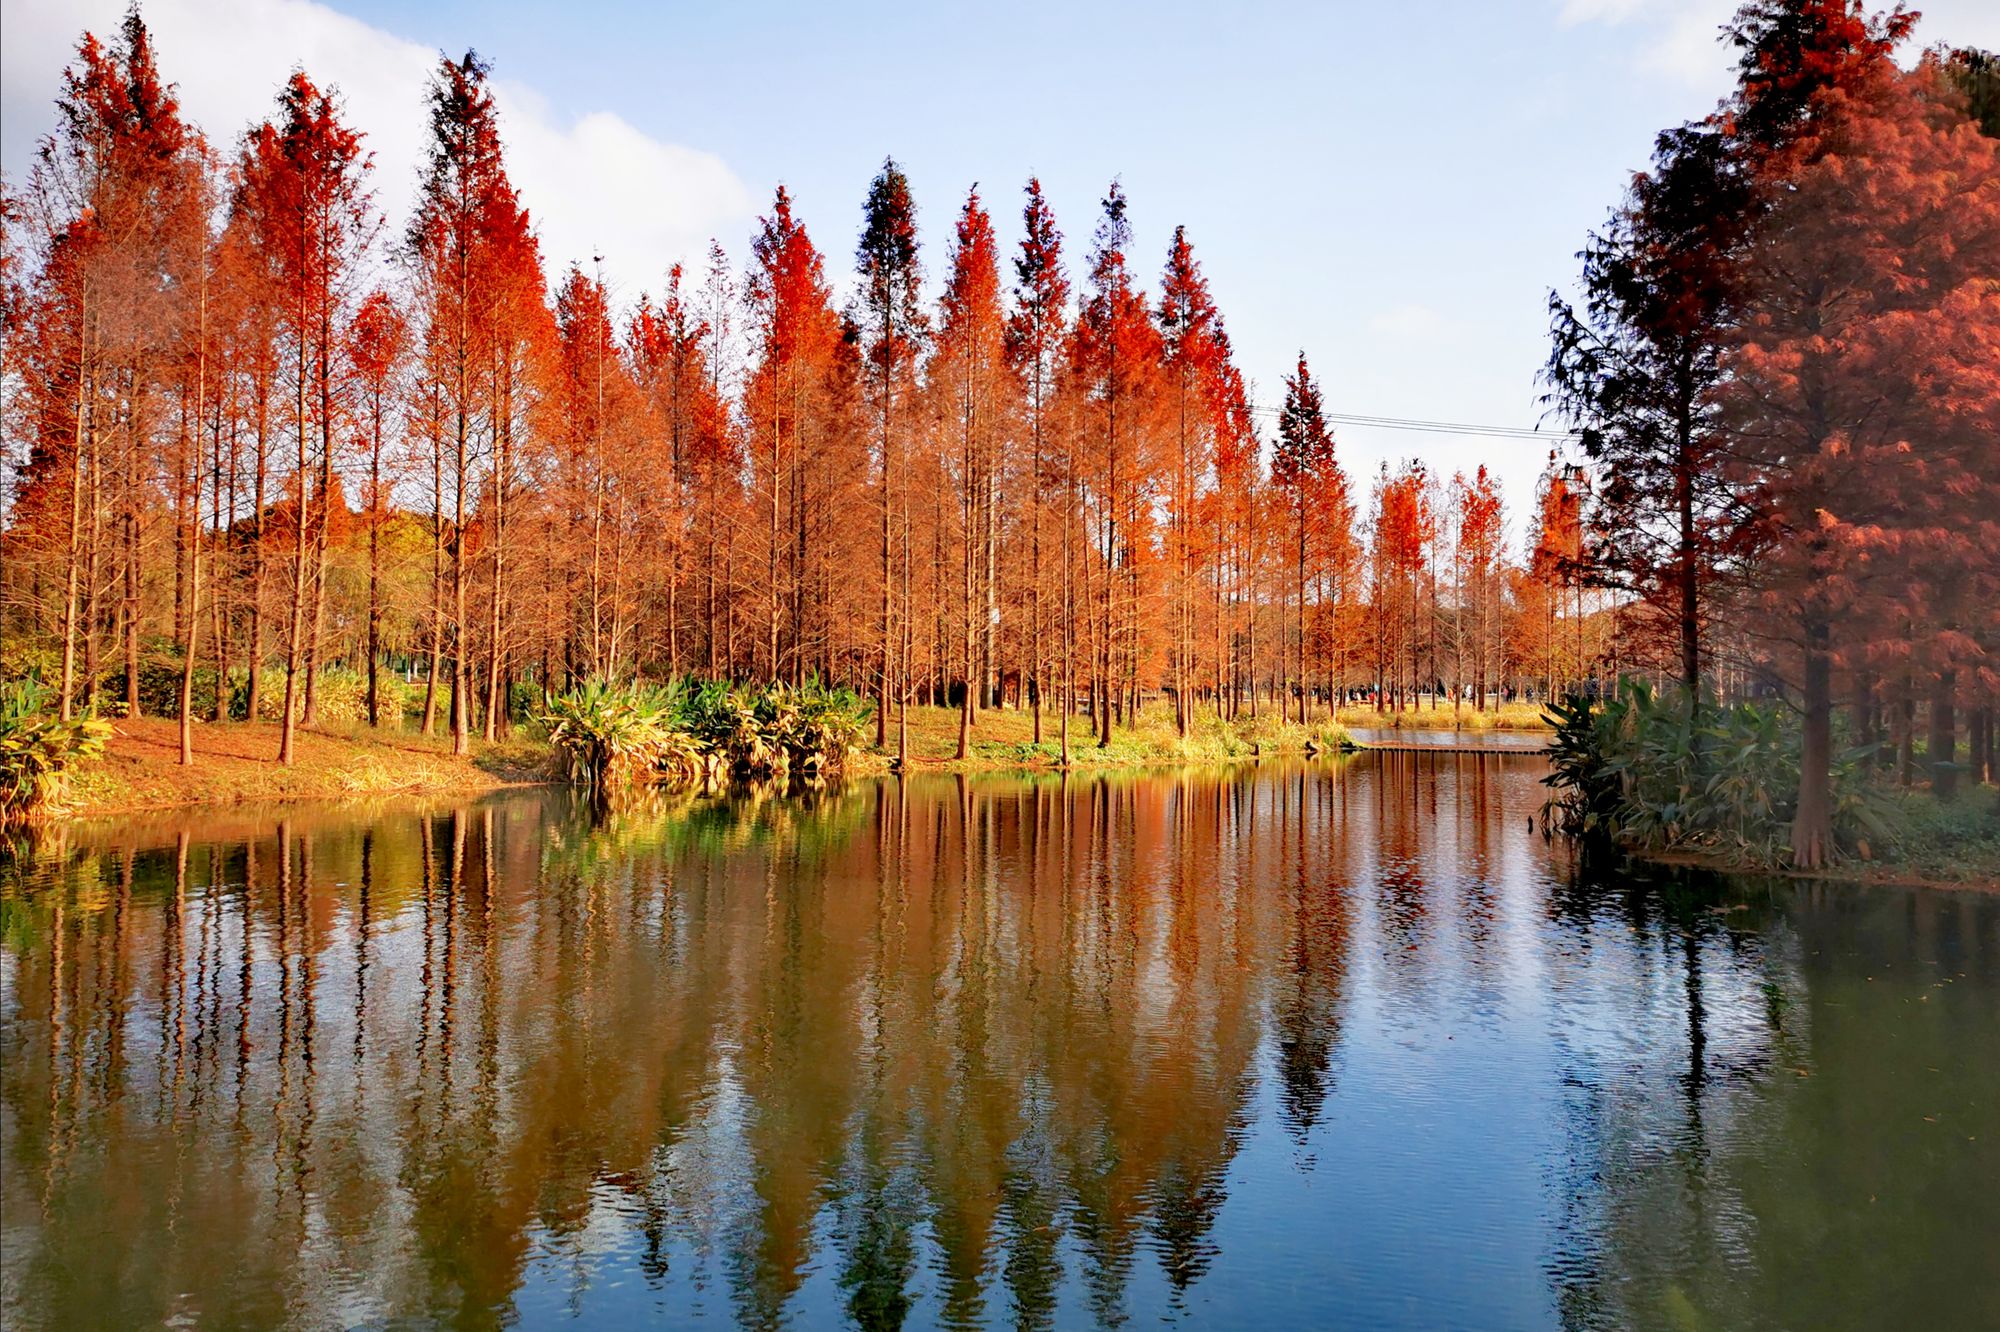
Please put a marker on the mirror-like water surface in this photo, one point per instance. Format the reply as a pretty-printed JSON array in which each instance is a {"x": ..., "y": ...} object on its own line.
[{"x": 1330, "y": 1044}]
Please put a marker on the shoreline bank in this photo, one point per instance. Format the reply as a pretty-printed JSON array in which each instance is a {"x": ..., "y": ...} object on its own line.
[
  {"x": 236, "y": 764},
  {"x": 236, "y": 767},
  {"x": 1860, "y": 873}
]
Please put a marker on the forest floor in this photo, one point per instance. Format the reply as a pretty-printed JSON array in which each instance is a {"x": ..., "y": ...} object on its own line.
[{"x": 237, "y": 762}]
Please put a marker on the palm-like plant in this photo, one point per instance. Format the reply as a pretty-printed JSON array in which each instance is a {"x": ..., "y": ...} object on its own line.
[
  {"x": 39, "y": 750},
  {"x": 683, "y": 732}
]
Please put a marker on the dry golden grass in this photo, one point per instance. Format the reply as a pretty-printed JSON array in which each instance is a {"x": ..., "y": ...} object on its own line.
[
  {"x": 237, "y": 761},
  {"x": 1005, "y": 738}
]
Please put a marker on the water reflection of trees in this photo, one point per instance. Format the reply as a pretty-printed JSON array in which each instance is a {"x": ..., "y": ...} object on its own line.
[
  {"x": 984, "y": 1048},
  {"x": 1802, "y": 1042},
  {"x": 936, "y": 1035}
]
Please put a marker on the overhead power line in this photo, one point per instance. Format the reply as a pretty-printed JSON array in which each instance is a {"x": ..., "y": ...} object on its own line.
[{"x": 1439, "y": 427}]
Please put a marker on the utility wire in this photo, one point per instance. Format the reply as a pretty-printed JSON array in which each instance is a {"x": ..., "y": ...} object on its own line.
[{"x": 1439, "y": 427}]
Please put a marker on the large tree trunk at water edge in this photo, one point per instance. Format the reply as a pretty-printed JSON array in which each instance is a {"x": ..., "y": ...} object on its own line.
[{"x": 1812, "y": 823}]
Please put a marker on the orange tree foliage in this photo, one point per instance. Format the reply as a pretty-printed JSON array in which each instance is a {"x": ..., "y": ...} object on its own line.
[{"x": 1045, "y": 497}]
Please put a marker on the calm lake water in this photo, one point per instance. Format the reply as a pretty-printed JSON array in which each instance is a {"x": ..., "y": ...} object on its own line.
[{"x": 1340, "y": 1043}]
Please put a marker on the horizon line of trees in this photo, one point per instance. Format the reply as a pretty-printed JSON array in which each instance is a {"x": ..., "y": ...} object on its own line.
[{"x": 255, "y": 432}]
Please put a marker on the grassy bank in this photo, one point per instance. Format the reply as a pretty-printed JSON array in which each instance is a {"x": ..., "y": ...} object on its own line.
[
  {"x": 1676, "y": 780},
  {"x": 1005, "y": 738},
  {"x": 1931, "y": 844},
  {"x": 236, "y": 762},
  {"x": 1505, "y": 717}
]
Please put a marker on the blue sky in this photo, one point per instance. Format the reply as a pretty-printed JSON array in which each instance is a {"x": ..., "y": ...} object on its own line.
[{"x": 1391, "y": 188}]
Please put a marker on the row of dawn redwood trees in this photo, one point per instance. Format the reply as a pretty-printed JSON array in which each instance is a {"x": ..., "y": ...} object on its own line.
[
  {"x": 260, "y": 427},
  {"x": 1787, "y": 368},
  {"x": 256, "y": 426}
]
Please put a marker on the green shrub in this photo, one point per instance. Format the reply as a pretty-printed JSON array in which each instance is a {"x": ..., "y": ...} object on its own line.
[
  {"x": 1668, "y": 771},
  {"x": 39, "y": 750},
  {"x": 682, "y": 731},
  {"x": 759, "y": 732},
  {"x": 159, "y": 686},
  {"x": 341, "y": 698},
  {"x": 606, "y": 735}
]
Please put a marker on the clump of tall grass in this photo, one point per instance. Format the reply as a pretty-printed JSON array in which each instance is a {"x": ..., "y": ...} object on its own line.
[
  {"x": 760, "y": 732},
  {"x": 684, "y": 732},
  {"x": 39, "y": 751},
  {"x": 1668, "y": 771}
]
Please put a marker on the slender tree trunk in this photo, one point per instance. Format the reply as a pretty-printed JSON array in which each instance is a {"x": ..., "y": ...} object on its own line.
[
  {"x": 461, "y": 731},
  {"x": 497, "y": 705},
  {"x": 128, "y": 607},
  {"x": 1068, "y": 596},
  {"x": 1690, "y": 619},
  {"x": 93, "y": 543},
  {"x": 1101, "y": 697},
  {"x": 1979, "y": 743},
  {"x": 84, "y": 445},
  {"x": 968, "y": 507},
  {"x": 194, "y": 507},
  {"x": 1301, "y": 588},
  {"x": 376, "y": 510},
  {"x": 294, "y": 640},
  {"x": 224, "y": 511},
  {"x": 996, "y": 675},
  {"x": 1812, "y": 824},
  {"x": 254, "y": 645},
  {"x": 321, "y": 534},
  {"x": 1036, "y": 683},
  {"x": 903, "y": 691},
  {"x": 1906, "y": 732},
  {"x": 1943, "y": 739},
  {"x": 882, "y": 677},
  {"x": 461, "y": 728},
  {"x": 436, "y": 663}
]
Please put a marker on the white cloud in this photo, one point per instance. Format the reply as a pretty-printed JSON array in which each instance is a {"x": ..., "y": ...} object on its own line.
[
  {"x": 1680, "y": 39},
  {"x": 595, "y": 184}
]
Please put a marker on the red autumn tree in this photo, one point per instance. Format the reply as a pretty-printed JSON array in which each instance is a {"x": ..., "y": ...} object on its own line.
[
  {"x": 464, "y": 213},
  {"x": 1193, "y": 354},
  {"x": 114, "y": 197},
  {"x": 1304, "y": 471},
  {"x": 801, "y": 456},
  {"x": 1116, "y": 359},
  {"x": 1867, "y": 397},
  {"x": 1036, "y": 331},
  {"x": 1480, "y": 520},
  {"x": 886, "y": 260},
  {"x": 968, "y": 374},
  {"x": 304, "y": 196}
]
